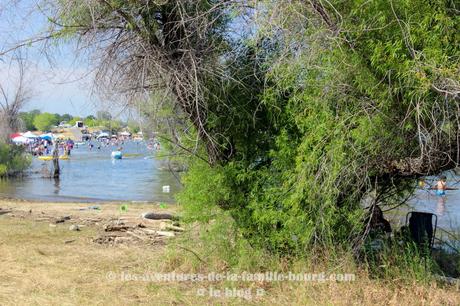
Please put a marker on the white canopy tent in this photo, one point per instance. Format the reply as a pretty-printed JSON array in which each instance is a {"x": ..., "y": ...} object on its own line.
[
  {"x": 103, "y": 135},
  {"x": 21, "y": 140},
  {"x": 29, "y": 134}
]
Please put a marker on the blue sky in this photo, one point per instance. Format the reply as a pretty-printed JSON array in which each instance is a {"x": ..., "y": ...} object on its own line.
[{"x": 63, "y": 86}]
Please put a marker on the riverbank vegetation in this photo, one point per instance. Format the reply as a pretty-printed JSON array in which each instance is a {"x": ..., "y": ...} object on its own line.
[
  {"x": 36, "y": 120},
  {"x": 13, "y": 160},
  {"x": 301, "y": 113},
  {"x": 298, "y": 117}
]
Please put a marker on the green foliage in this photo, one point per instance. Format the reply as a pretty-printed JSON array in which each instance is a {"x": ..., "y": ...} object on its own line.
[
  {"x": 27, "y": 119},
  {"x": 320, "y": 134},
  {"x": 63, "y": 118},
  {"x": 133, "y": 127},
  {"x": 74, "y": 120},
  {"x": 91, "y": 122},
  {"x": 404, "y": 261},
  {"x": 13, "y": 160},
  {"x": 45, "y": 121},
  {"x": 310, "y": 115},
  {"x": 219, "y": 244},
  {"x": 206, "y": 187}
]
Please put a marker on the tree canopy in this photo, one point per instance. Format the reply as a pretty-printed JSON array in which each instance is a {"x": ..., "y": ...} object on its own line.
[
  {"x": 45, "y": 121},
  {"x": 302, "y": 109}
]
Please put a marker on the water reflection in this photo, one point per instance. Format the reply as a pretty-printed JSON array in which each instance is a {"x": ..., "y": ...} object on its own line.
[
  {"x": 57, "y": 185},
  {"x": 441, "y": 206},
  {"x": 445, "y": 207}
]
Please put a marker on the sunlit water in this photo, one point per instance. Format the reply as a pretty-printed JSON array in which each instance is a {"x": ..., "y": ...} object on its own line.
[{"x": 91, "y": 175}]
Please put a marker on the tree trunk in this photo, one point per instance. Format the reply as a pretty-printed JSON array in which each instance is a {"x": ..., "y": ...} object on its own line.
[{"x": 57, "y": 170}]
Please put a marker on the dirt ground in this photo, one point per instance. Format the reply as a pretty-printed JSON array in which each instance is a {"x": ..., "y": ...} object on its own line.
[
  {"x": 110, "y": 259},
  {"x": 45, "y": 260}
]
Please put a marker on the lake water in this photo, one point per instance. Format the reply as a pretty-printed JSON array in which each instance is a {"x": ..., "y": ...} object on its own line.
[
  {"x": 91, "y": 175},
  {"x": 446, "y": 208}
]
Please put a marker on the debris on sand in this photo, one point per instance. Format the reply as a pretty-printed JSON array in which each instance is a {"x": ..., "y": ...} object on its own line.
[
  {"x": 120, "y": 231},
  {"x": 74, "y": 227},
  {"x": 4, "y": 211},
  {"x": 149, "y": 228},
  {"x": 62, "y": 219}
]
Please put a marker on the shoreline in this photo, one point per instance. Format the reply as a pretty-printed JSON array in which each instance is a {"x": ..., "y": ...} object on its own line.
[
  {"x": 78, "y": 200},
  {"x": 108, "y": 208},
  {"x": 45, "y": 262}
]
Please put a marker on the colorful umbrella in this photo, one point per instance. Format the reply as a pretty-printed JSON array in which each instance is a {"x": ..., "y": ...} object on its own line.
[{"x": 14, "y": 135}]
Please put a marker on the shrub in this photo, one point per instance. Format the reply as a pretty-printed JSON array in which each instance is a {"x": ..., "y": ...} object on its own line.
[{"x": 13, "y": 160}]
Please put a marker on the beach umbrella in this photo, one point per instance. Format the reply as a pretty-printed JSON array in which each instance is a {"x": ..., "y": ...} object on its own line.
[
  {"x": 103, "y": 135},
  {"x": 14, "y": 135}
]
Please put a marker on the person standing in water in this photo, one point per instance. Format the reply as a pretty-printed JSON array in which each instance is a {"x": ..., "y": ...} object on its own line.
[{"x": 441, "y": 186}]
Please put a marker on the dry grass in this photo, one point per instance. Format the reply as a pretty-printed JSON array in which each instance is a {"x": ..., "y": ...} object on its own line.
[{"x": 38, "y": 267}]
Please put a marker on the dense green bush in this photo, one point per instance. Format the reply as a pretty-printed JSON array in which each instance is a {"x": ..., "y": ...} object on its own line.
[
  {"x": 331, "y": 122},
  {"x": 13, "y": 160},
  {"x": 302, "y": 115}
]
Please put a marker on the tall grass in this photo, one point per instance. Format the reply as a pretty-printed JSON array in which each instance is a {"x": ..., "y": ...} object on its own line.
[{"x": 218, "y": 246}]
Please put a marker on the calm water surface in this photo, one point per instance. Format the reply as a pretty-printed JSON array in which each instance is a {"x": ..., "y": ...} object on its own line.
[
  {"x": 446, "y": 208},
  {"x": 91, "y": 175}
]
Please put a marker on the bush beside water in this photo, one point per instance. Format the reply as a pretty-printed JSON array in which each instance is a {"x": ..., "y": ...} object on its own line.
[{"x": 13, "y": 160}]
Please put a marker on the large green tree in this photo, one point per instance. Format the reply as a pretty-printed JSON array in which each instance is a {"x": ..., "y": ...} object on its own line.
[
  {"x": 45, "y": 121},
  {"x": 320, "y": 108},
  {"x": 28, "y": 119}
]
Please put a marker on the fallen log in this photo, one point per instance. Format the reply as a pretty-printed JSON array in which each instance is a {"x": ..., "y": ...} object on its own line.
[
  {"x": 166, "y": 234},
  {"x": 2, "y": 212},
  {"x": 116, "y": 228},
  {"x": 43, "y": 219},
  {"x": 149, "y": 231}
]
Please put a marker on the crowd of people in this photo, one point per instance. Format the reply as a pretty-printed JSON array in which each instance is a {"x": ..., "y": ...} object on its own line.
[
  {"x": 106, "y": 142},
  {"x": 44, "y": 147}
]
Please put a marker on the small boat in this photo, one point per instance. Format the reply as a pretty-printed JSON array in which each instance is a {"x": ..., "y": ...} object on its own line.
[
  {"x": 117, "y": 155},
  {"x": 64, "y": 157}
]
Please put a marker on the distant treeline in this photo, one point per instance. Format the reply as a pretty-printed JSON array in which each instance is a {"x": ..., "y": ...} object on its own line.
[{"x": 36, "y": 120}]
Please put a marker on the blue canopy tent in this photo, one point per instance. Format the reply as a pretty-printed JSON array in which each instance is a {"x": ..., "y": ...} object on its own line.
[{"x": 46, "y": 137}]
